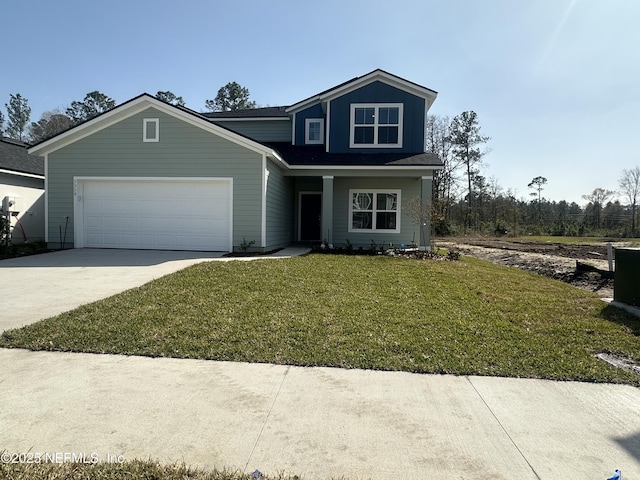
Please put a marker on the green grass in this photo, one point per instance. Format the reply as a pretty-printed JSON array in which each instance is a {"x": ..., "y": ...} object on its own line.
[
  {"x": 574, "y": 240},
  {"x": 130, "y": 470},
  {"x": 468, "y": 317}
]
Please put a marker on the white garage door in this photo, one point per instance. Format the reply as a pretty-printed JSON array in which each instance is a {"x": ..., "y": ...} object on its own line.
[{"x": 161, "y": 214}]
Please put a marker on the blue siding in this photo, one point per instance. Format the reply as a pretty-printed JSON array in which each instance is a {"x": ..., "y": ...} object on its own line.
[
  {"x": 314, "y": 111},
  {"x": 378, "y": 92}
]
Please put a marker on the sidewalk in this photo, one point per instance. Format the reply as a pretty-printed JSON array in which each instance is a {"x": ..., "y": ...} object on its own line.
[{"x": 316, "y": 422}]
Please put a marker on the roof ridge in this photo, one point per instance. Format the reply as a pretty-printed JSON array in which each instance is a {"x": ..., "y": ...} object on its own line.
[{"x": 14, "y": 141}]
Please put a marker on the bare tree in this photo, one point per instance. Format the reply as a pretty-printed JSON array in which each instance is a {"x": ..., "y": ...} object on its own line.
[
  {"x": 444, "y": 181},
  {"x": 598, "y": 198},
  {"x": 630, "y": 187},
  {"x": 51, "y": 123},
  {"x": 420, "y": 213}
]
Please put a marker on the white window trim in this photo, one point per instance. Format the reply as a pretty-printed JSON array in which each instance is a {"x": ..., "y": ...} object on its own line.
[
  {"x": 307, "y": 140},
  {"x": 374, "y": 191},
  {"x": 375, "y": 125},
  {"x": 147, "y": 121}
]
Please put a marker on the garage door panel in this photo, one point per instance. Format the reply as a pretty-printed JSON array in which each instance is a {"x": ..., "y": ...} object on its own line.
[
  {"x": 92, "y": 238},
  {"x": 157, "y": 214},
  {"x": 128, "y": 223},
  {"x": 93, "y": 221}
]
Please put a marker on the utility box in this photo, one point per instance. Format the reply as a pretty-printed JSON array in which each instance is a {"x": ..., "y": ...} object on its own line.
[
  {"x": 12, "y": 204},
  {"x": 626, "y": 283}
]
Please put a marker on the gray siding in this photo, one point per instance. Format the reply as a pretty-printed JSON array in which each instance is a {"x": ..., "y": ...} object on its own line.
[
  {"x": 279, "y": 208},
  {"x": 184, "y": 150},
  {"x": 378, "y": 92},
  {"x": 410, "y": 187},
  {"x": 261, "y": 131}
]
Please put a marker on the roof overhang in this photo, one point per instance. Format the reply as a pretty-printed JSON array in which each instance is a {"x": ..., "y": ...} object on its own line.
[
  {"x": 384, "y": 171},
  {"x": 248, "y": 119},
  {"x": 21, "y": 174}
]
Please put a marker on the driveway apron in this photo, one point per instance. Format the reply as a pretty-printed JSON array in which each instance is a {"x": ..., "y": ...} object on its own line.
[{"x": 40, "y": 286}]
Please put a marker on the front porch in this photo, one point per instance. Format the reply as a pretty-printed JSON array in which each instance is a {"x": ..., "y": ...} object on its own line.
[{"x": 360, "y": 210}]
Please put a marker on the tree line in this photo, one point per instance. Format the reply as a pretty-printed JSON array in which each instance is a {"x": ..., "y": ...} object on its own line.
[
  {"x": 465, "y": 201},
  {"x": 18, "y": 124}
]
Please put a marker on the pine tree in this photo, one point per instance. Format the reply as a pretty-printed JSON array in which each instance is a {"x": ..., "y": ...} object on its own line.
[{"x": 18, "y": 113}]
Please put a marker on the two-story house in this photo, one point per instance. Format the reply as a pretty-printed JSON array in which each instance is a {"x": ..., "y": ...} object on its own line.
[{"x": 338, "y": 166}]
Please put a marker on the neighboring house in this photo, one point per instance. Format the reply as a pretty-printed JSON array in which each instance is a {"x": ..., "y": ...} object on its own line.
[
  {"x": 22, "y": 181},
  {"x": 338, "y": 166}
]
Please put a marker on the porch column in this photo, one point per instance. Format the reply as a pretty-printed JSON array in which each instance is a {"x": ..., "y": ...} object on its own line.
[
  {"x": 327, "y": 209},
  {"x": 425, "y": 196}
]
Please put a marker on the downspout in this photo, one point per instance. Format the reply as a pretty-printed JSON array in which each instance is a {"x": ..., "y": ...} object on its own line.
[
  {"x": 293, "y": 130},
  {"x": 46, "y": 198},
  {"x": 265, "y": 177},
  {"x": 327, "y": 126}
]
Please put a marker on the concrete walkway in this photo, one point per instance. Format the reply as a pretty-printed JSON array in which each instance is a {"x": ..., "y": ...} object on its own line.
[{"x": 316, "y": 422}]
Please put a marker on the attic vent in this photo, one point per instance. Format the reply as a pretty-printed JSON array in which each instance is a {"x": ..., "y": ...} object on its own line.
[{"x": 151, "y": 130}]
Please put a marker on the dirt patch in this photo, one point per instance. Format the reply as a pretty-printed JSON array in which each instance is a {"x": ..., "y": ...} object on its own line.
[{"x": 553, "y": 260}]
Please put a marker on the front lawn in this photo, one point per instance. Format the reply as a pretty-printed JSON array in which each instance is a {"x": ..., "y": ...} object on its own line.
[
  {"x": 468, "y": 317},
  {"x": 134, "y": 469}
]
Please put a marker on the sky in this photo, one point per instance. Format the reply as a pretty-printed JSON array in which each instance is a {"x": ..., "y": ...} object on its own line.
[{"x": 554, "y": 82}]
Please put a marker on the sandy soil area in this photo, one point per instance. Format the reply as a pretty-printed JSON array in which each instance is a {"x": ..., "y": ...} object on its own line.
[{"x": 554, "y": 260}]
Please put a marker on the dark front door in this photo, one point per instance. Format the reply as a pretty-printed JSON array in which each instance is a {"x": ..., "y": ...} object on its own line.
[{"x": 310, "y": 217}]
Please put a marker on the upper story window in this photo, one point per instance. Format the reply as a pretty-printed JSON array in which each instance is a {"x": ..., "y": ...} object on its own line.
[
  {"x": 313, "y": 131},
  {"x": 377, "y": 125},
  {"x": 151, "y": 130}
]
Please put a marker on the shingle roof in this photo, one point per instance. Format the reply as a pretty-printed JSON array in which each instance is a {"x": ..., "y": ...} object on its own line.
[
  {"x": 14, "y": 157},
  {"x": 297, "y": 156},
  {"x": 263, "y": 112}
]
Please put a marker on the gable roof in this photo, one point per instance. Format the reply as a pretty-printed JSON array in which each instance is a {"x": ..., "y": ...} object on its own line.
[
  {"x": 358, "y": 82},
  {"x": 14, "y": 158},
  {"x": 136, "y": 105}
]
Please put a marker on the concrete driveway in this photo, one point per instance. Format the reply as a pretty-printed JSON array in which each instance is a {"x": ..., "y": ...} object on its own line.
[{"x": 40, "y": 286}]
